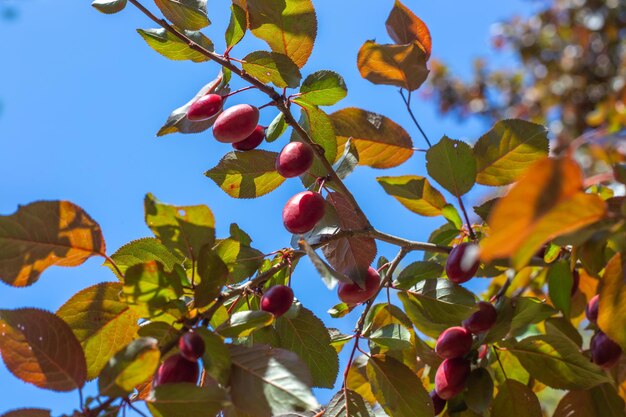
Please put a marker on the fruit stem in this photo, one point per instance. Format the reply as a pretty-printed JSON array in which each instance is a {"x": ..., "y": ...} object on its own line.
[
  {"x": 495, "y": 351},
  {"x": 232, "y": 93},
  {"x": 469, "y": 225},
  {"x": 354, "y": 348}
]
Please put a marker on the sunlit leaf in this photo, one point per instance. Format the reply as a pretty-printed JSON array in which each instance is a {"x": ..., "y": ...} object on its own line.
[
  {"x": 185, "y": 14},
  {"x": 452, "y": 164},
  {"x": 243, "y": 323},
  {"x": 415, "y": 193},
  {"x": 612, "y": 310},
  {"x": 40, "y": 348},
  {"x": 43, "y": 234},
  {"x": 276, "y": 128},
  {"x": 172, "y": 47},
  {"x": 547, "y": 202},
  {"x": 102, "y": 323},
  {"x": 133, "y": 365},
  {"x": 600, "y": 401},
  {"x": 242, "y": 260},
  {"x": 272, "y": 67},
  {"x": 509, "y": 148},
  {"x": 247, "y": 174},
  {"x": 140, "y": 251},
  {"x": 515, "y": 399},
  {"x": 381, "y": 142},
  {"x": 348, "y": 161},
  {"x": 149, "y": 287},
  {"x": 529, "y": 311},
  {"x": 398, "y": 65},
  {"x": 323, "y": 88},
  {"x": 288, "y": 26},
  {"x": 269, "y": 381},
  {"x": 404, "y": 27},
  {"x": 109, "y": 6},
  {"x": 237, "y": 25},
  {"x": 307, "y": 336},
  {"x": 348, "y": 403},
  {"x": 320, "y": 127},
  {"x": 185, "y": 399}
]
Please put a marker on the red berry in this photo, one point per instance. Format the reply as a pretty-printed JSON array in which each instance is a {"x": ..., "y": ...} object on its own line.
[
  {"x": 205, "y": 107},
  {"x": 303, "y": 211},
  {"x": 482, "y": 320},
  {"x": 295, "y": 159},
  {"x": 604, "y": 351},
  {"x": 438, "y": 402},
  {"x": 251, "y": 141},
  {"x": 191, "y": 346},
  {"x": 592, "y": 309},
  {"x": 454, "y": 342},
  {"x": 177, "y": 369},
  {"x": 236, "y": 123},
  {"x": 451, "y": 377},
  {"x": 462, "y": 262},
  {"x": 351, "y": 293},
  {"x": 575, "y": 281},
  {"x": 277, "y": 300}
]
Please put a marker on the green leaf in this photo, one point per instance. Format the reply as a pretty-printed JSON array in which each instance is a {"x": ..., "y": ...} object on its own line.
[
  {"x": 560, "y": 281},
  {"x": 109, "y": 6},
  {"x": 557, "y": 362},
  {"x": 600, "y": 401},
  {"x": 323, "y": 88},
  {"x": 28, "y": 412},
  {"x": 243, "y": 323},
  {"x": 43, "y": 234},
  {"x": 380, "y": 141},
  {"x": 452, "y": 164},
  {"x": 269, "y": 381},
  {"x": 348, "y": 161},
  {"x": 452, "y": 215},
  {"x": 272, "y": 67},
  {"x": 213, "y": 274},
  {"x": 247, "y": 174},
  {"x": 173, "y": 48},
  {"x": 403, "y": 66},
  {"x": 515, "y": 399},
  {"x": 288, "y": 26},
  {"x": 319, "y": 126},
  {"x": 307, "y": 336},
  {"x": 529, "y": 311},
  {"x": 101, "y": 322},
  {"x": 177, "y": 121},
  {"x": 339, "y": 310},
  {"x": 507, "y": 150},
  {"x": 392, "y": 336},
  {"x": 444, "y": 290},
  {"x": 182, "y": 229},
  {"x": 565, "y": 327},
  {"x": 130, "y": 367},
  {"x": 216, "y": 357},
  {"x": 185, "y": 399},
  {"x": 479, "y": 392},
  {"x": 484, "y": 210},
  {"x": 40, "y": 348},
  {"x": 338, "y": 340},
  {"x": 185, "y": 14},
  {"x": 348, "y": 403},
  {"x": 416, "y": 272},
  {"x": 398, "y": 390},
  {"x": 415, "y": 193},
  {"x": 237, "y": 26},
  {"x": 242, "y": 260},
  {"x": 276, "y": 128},
  {"x": 140, "y": 251},
  {"x": 150, "y": 287}
]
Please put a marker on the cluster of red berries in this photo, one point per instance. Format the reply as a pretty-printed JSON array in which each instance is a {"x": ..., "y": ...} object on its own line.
[
  {"x": 604, "y": 351},
  {"x": 454, "y": 346},
  {"x": 182, "y": 366},
  {"x": 462, "y": 262}
]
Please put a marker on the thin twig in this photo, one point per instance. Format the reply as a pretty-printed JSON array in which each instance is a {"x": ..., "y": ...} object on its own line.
[{"x": 407, "y": 103}]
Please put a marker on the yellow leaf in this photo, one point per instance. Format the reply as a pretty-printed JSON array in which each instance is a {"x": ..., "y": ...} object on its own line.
[
  {"x": 547, "y": 202},
  {"x": 612, "y": 309}
]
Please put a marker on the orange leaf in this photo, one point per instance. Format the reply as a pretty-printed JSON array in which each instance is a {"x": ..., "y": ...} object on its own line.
[
  {"x": 404, "y": 27},
  {"x": 547, "y": 202},
  {"x": 43, "y": 234},
  {"x": 612, "y": 309}
]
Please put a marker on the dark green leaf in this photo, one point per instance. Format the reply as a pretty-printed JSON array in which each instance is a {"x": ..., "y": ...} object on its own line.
[
  {"x": 323, "y": 88},
  {"x": 415, "y": 193},
  {"x": 398, "y": 390},
  {"x": 516, "y": 400},
  {"x": 243, "y": 323},
  {"x": 172, "y": 47},
  {"x": 185, "y": 14},
  {"x": 392, "y": 336},
  {"x": 529, "y": 311},
  {"x": 272, "y": 67},
  {"x": 479, "y": 392},
  {"x": 247, "y": 174},
  {"x": 416, "y": 272},
  {"x": 348, "y": 403},
  {"x": 452, "y": 164},
  {"x": 307, "y": 336},
  {"x": 129, "y": 367},
  {"x": 237, "y": 26},
  {"x": 185, "y": 399},
  {"x": 140, "y": 251},
  {"x": 484, "y": 210},
  {"x": 565, "y": 327},
  {"x": 216, "y": 358},
  {"x": 213, "y": 274},
  {"x": 600, "y": 401},
  {"x": 320, "y": 128},
  {"x": 276, "y": 128},
  {"x": 269, "y": 381},
  {"x": 560, "y": 281},
  {"x": 109, "y": 6}
]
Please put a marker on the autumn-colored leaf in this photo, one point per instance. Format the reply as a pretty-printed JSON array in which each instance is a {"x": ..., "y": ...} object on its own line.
[
  {"x": 415, "y": 193},
  {"x": 288, "y": 26},
  {"x": 43, "y": 234},
  {"x": 547, "y": 202},
  {"x": 380, "y": 142},
  {"x": 404, "y": 27},
  {"x": 399, "y": 65},
  {"x": 40, "y": 348},
  {"x": 612, "y": 310}
]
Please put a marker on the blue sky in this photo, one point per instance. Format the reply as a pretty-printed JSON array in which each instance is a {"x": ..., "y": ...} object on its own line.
[{"x": 82, "y": 97}]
